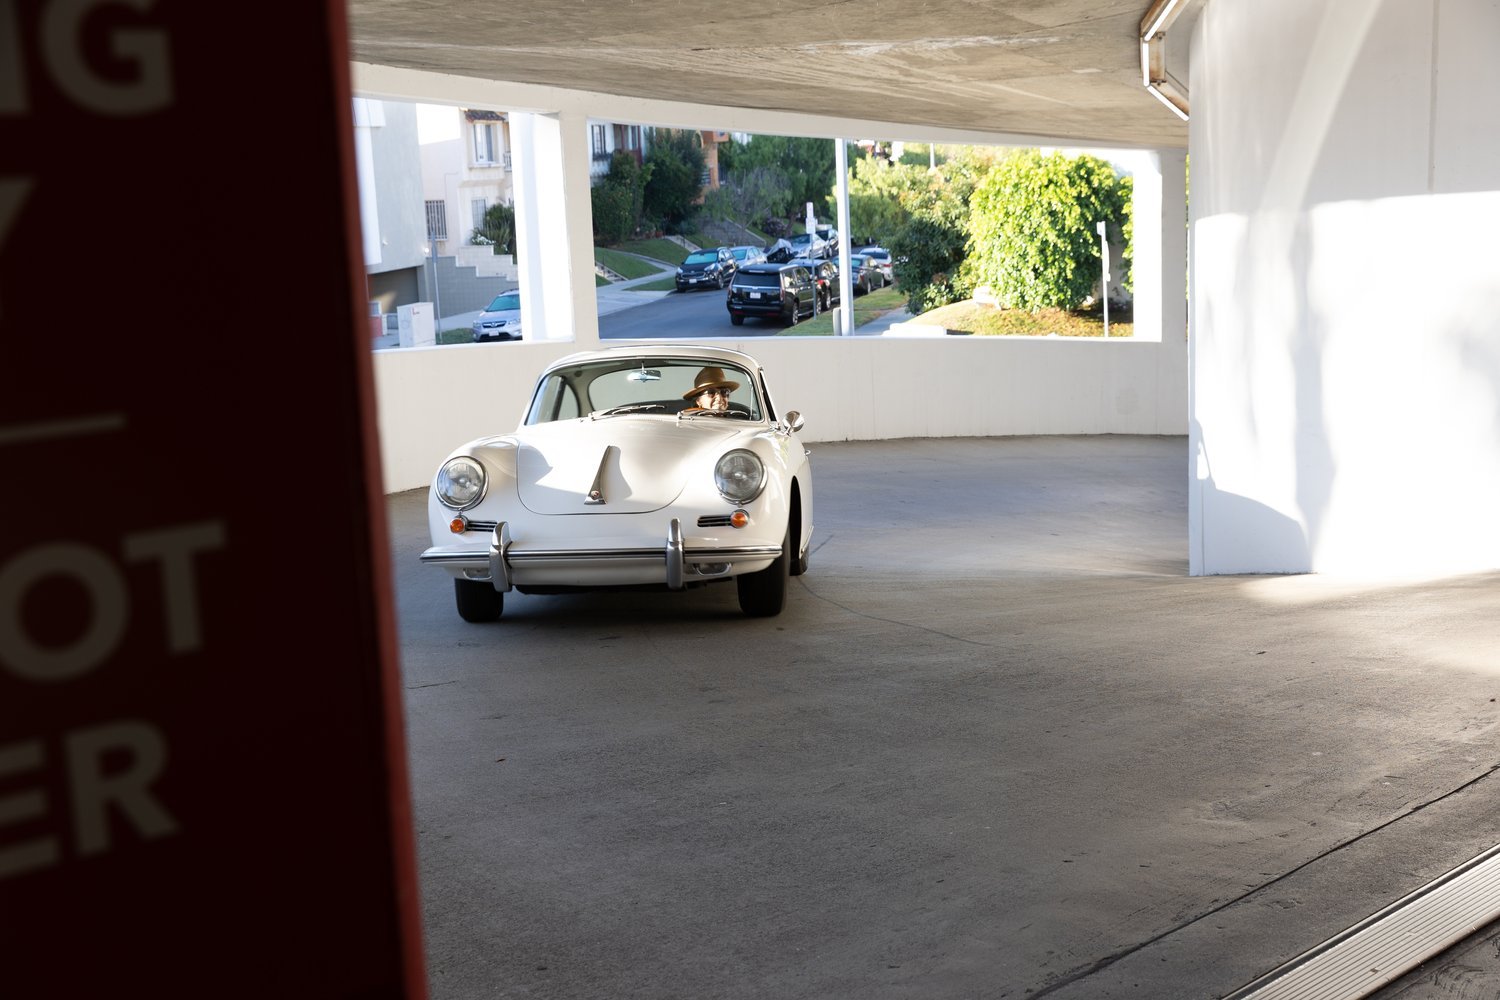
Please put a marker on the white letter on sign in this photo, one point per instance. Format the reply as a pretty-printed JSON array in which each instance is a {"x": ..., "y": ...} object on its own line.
[
  {"x": 61, "y": 28},
  {"x": 175, "y": 549},
  {"x": 19, "y": 758},
  {"x": 105, "y": 585},
  {"x": 93, "y": 791}
]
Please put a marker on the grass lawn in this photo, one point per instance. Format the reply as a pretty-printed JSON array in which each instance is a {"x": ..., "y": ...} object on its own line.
[
  {"x": 663, "y": 250},
  {"x": 624, "y": 264},
  {"x": 987, "y": 321},
  {"x": 455, "y": 337},
  {"x": 600, "y": 279},
  {"x": 866, "y": 308}
]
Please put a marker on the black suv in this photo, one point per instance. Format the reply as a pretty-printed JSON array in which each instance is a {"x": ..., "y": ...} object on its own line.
[
  {"x": 782, "y": 291},
  {"x": 714, "y": 267}
]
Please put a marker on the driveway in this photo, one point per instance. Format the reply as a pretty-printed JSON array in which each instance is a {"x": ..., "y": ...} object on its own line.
[{"x": 998, "y": 745}]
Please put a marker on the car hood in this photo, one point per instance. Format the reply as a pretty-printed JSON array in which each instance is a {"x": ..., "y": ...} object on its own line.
[
  {"x": 691, "y": 268},
  {"x": 637, "y": 463}
]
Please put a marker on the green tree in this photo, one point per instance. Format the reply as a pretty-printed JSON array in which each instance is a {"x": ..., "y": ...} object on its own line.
[
  {"x": 930, "y": 247},
  {"x": 806, "y": 164},
  {"x": 674, "y": 175},
  {"x": 1032, "y": 235}
]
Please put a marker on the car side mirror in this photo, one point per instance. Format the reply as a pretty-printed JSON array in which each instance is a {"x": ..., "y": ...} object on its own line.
[{"x": 794, "y": 421}]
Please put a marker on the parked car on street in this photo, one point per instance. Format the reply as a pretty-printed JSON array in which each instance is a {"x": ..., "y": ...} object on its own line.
[
  {"x": 826, "y": 275},
  {"x": 882, "y": 258},
  {"x": 619, "y": 476},
  {"x": 864, "y": 274},
  {"x": 772, "y": 291},
  {"x": 780, "y": 252},
  {"x": 748, "y": 255},
  {"x": 706, "y": 268},
  {"x": 501, "y": 319},
  {"x": 822, "y": 243}
]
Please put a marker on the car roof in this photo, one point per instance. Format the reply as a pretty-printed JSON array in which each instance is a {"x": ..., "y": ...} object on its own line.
[{"x": 768, "y": 268}]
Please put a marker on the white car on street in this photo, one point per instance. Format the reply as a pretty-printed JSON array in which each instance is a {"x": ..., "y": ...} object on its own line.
[{"x": 619, "y": 477}]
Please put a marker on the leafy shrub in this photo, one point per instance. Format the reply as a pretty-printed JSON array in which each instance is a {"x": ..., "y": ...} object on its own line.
[
  {"x": 613, "y": 221},
  {"x": 1032, "y": 235},
  {"x": 498, "y": 228}
]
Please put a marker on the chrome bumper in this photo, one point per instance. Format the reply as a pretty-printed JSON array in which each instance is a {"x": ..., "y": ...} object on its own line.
[{"x": 499, "y": 562}]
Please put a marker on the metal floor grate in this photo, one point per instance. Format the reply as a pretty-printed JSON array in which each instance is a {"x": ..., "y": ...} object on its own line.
[{"x": 1388, "y": 944}]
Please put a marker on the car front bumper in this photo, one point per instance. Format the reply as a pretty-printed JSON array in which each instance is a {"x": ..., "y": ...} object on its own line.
[{"x": 672, "y": 562}]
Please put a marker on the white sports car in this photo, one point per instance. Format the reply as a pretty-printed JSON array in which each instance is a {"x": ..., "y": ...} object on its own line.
[{"x": 656, "y": 466}]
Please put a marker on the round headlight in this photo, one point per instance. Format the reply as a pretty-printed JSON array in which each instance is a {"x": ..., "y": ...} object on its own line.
[
  {"x": 460, "y": 483},
  {"x": 740, "y": 476}
]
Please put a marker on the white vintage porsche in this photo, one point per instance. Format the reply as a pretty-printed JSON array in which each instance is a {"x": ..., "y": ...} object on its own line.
[{"x": 644, "y": 466}]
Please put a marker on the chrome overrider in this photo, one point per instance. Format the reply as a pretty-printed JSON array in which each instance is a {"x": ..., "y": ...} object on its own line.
[{"x": 497, "y": 562}]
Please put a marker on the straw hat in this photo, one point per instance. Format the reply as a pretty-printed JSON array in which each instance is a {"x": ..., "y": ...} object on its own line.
[{"x": 710, "y": 378}]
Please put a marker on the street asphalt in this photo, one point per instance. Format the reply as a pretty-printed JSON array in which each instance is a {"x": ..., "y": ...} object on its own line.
[{"x": 999, "y": 745}]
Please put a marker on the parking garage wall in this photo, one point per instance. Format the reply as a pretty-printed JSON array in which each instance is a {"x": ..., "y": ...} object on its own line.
[{"x": 432, "y": 400}]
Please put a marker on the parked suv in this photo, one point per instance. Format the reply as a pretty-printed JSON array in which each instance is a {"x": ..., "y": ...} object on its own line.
[
  {"x": 772, "y": 291},
  {"x": 714, "y": 267},
  {"x": 501, "y": 319}
]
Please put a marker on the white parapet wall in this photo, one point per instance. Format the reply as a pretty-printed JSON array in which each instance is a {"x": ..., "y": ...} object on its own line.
[{"x": 431, "y": 400}]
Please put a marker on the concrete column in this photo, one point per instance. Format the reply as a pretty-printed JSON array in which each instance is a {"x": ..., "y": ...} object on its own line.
[
  {"x": 1160, "y": 213},
  {"x": 554, "y": 227},
  {"x": 1345, "y": 354}
]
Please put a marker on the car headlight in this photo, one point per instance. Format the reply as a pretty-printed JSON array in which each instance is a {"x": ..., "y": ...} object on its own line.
[
  {"x": 740, "y": 474},
  {"x": 460, "y": 483}
]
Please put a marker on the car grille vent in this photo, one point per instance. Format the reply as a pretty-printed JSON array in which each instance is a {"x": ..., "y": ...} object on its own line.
[
  {"x": 714, "y": 521},
  {"x": 485, "y": 526}
]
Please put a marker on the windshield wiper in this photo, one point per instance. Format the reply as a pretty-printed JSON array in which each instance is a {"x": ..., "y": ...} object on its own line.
[{"x": 627, "y": 408}]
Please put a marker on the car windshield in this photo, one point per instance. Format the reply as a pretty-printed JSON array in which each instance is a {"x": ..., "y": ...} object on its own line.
[
  {"x": 504, "y": 301},
  {"x": 650, "y": 386},
  {"x": 701, "y": 257}
]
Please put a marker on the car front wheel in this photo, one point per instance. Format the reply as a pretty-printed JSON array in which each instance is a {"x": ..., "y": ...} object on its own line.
[
  {"x": 477, "y": 601},
  {"x": 763, "y": 594},
  {"x": 737, "y": 320}
]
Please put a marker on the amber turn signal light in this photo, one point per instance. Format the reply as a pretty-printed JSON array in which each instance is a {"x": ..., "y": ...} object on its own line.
[
  {"x": 458, "y": 525},
  {"x": 739, "y": 519}
]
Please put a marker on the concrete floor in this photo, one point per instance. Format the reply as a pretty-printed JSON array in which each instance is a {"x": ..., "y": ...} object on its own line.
[{"x": 998, "y": 745}]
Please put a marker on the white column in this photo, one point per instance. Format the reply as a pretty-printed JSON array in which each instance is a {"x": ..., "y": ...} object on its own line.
[
  {"x": 846, "y": 283},
  {"x": 1160, "y": 263},
  {"x": 554, "y": 227}
]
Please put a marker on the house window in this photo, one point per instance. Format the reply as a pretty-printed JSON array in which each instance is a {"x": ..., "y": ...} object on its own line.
[
  {"x": 437, "y": 220},
  {"x": 600, "y": 146},
  {"x": 486, "y": 145},
  {"x": 478, "y": 206}
]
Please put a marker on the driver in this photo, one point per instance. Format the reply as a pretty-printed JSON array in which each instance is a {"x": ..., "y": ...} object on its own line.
[{"x": 711, "y": 390}]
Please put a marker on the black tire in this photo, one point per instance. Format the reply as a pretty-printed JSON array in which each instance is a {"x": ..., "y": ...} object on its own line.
[
  {"x": 763, "y": 594},
  {"x": 477, "y": 601},
  {"x": 736, "y": 320}
]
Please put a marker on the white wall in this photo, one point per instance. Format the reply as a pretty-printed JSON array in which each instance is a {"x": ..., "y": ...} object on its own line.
[
  {"x": 1345, "y": 368},
  {"x": 848, "y": 388}
]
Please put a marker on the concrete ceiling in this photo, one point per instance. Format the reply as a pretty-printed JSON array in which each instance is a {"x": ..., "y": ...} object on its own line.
[{"x": 1063, "y": 69}]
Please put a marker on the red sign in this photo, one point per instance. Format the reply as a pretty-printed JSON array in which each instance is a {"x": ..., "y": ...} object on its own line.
[{"x": 202, "y": 762}]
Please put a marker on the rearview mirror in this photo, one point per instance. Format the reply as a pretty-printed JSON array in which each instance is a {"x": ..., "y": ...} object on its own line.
[{"x": 793, "y": 421}]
